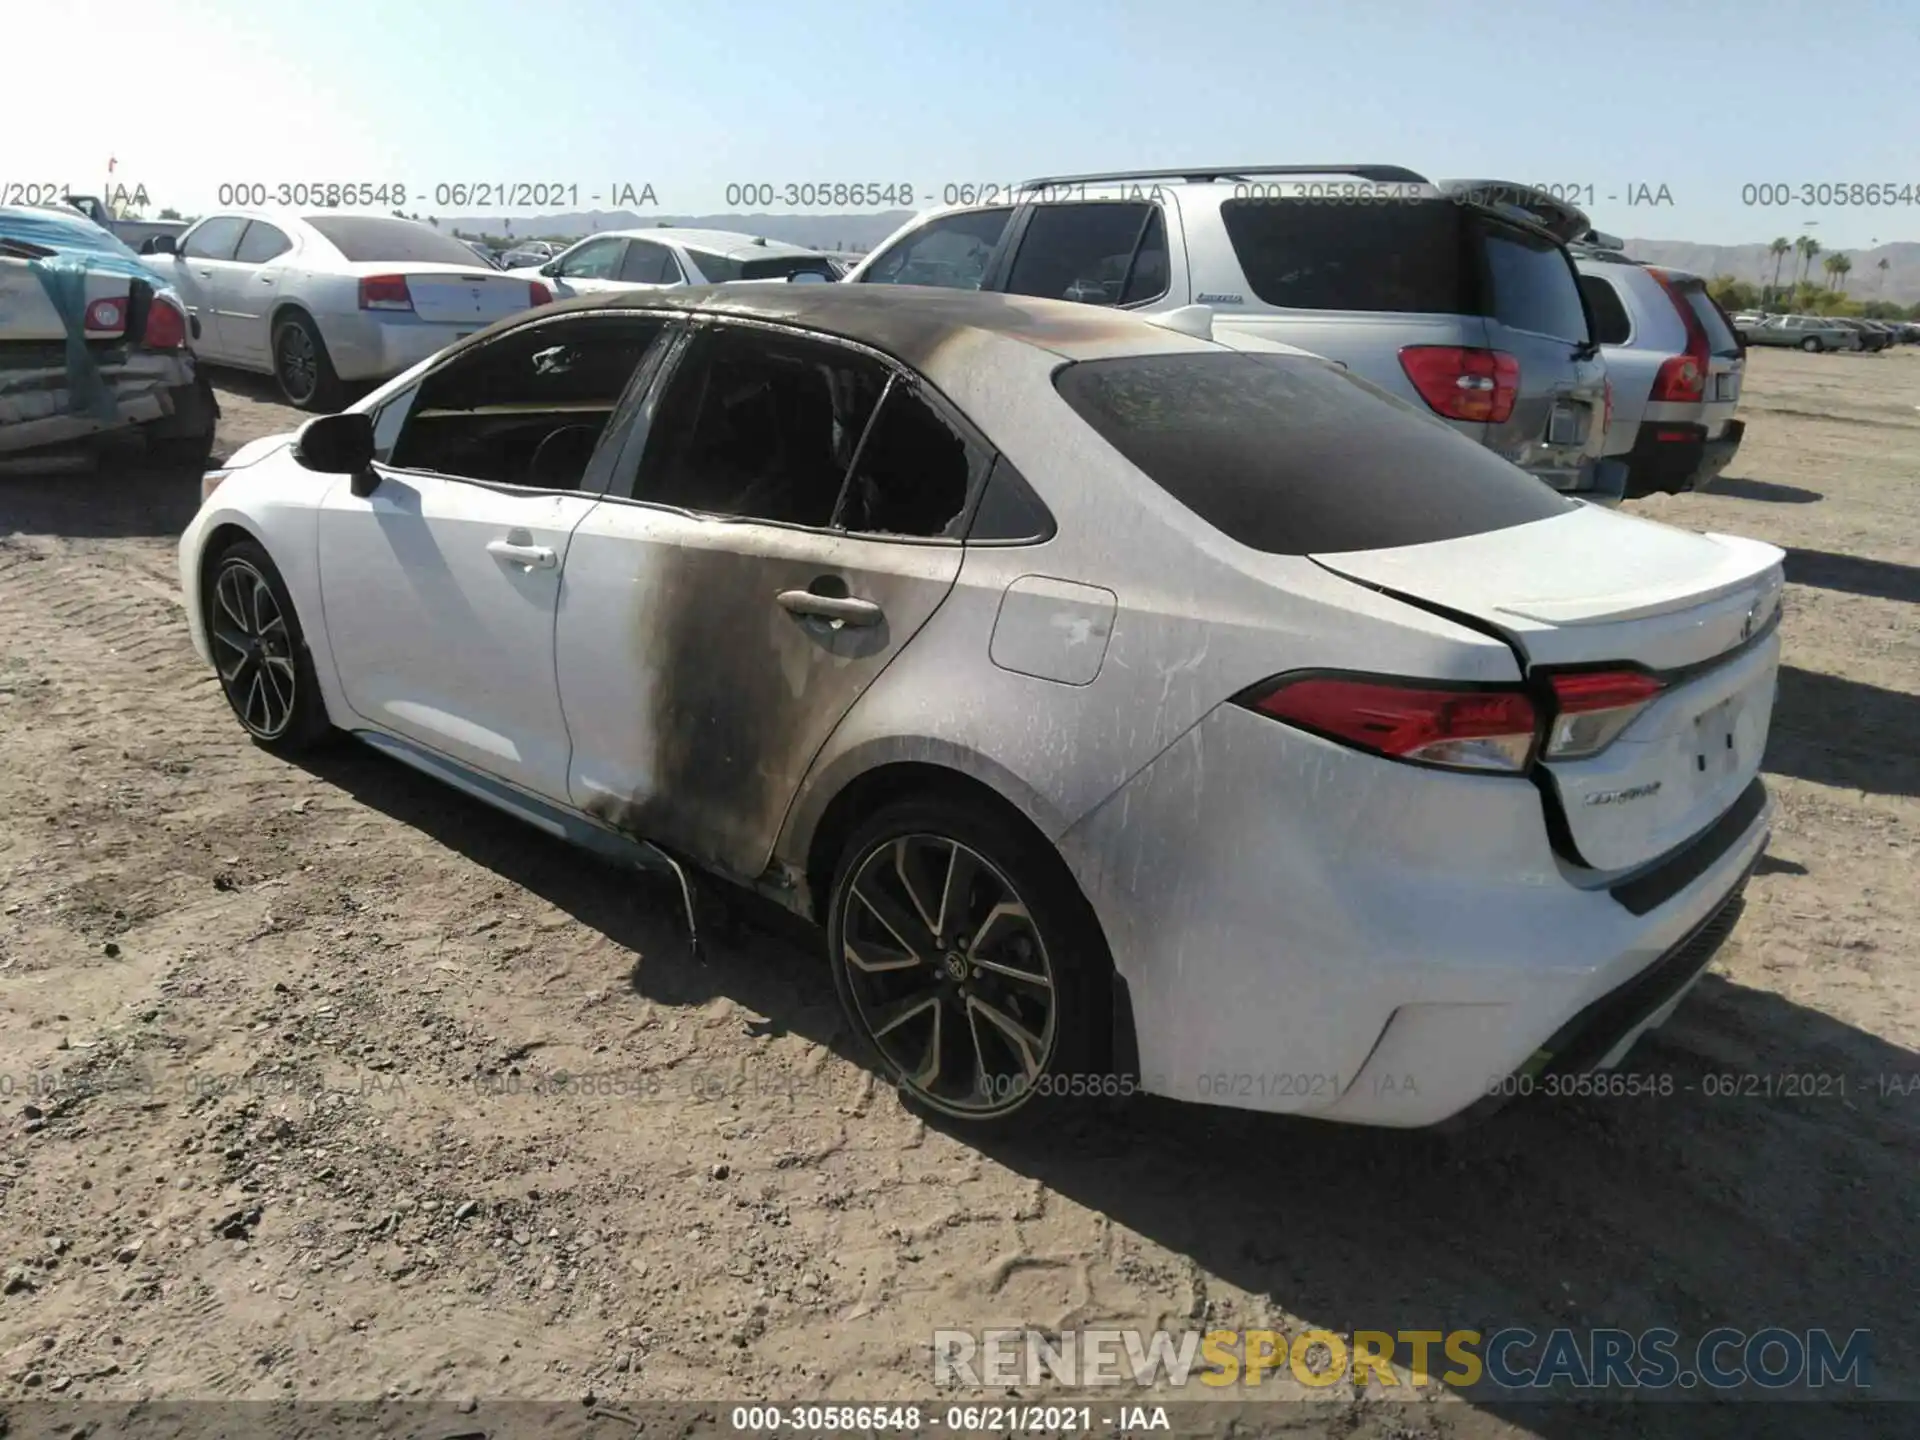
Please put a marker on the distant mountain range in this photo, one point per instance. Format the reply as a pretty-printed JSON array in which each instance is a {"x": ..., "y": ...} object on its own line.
[{"x": 1899, "y": 283}]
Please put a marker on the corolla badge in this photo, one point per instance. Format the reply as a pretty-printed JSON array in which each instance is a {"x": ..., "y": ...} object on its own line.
[{"x": 1620, "y": 797}]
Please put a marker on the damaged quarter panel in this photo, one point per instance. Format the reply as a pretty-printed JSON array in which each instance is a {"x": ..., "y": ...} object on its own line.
[{"x": 1196, "y": 619}]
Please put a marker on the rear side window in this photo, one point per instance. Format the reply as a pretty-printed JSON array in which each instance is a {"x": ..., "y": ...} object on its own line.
[
  {"x": 261, "y": 243},
  {"x": 1610, "y": 323},
  {"x": 1107, "y": 253},
  {"x": 1720, "y": 337},
  {"x": 1305, "y": 255},
  {"x": 913, "y": 474},
  {"x": 378, "y": 237},
  {"x": 1293, "y": 456},
  {"x": 1533, "y": 285}
]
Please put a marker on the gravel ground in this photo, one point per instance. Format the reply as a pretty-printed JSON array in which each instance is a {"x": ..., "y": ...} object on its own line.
[{"x": 279, "y": 1049}]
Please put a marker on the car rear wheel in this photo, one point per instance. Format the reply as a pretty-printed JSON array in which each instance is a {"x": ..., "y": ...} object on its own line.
[
  {"x": 969, "y": 963},
  {"x": 260, "y": 652},
  {"x": 1812, "y": 345},
  {"x": 302, "y": 367}
]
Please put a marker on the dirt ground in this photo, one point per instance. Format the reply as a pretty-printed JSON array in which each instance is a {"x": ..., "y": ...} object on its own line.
[{"x": 281, "y": 1053}]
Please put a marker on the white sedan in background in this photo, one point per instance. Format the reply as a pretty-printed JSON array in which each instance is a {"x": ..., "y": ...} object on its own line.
[
  {"x": 664, "y": 256},
  {"x": 320, "y": 299}
]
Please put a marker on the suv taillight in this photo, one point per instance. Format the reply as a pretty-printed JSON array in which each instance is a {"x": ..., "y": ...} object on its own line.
[
  {"x": 1464, "y": 383},
  {"x": 166, "y": 327},
  {"x": 385, "y": 292},
  {"x": 1451, "y": 725},
  {"x": 1592, "y": 707},
  {"x": 1682, "y": 378}
]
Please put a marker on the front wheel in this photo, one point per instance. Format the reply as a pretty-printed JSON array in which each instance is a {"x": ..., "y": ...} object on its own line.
[
  {"x": 1812, "y": 345},
  {"x": 969, "y": 963},
  {"x": 260, "y": 652},
  {"x": 302, "y": 367}
]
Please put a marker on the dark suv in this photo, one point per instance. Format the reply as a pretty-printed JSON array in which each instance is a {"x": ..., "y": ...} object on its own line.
[{"x": 1460, "y": 296}]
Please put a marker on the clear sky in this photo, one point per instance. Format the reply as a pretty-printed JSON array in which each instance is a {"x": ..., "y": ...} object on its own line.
[{"x": 1701, "y": 97}]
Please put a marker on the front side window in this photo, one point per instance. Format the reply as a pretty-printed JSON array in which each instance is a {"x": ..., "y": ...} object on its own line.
[
  {"x": 759, "y": 425},
  {"x": 1099, "y": 253},
  {"x": 951, "y": 251},
  {"x": 214, "y": 238},
  {"x": 526, "y": 409}
]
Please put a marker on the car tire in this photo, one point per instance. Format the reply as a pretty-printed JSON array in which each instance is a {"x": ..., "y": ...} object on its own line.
[
  {"x": 1812, "y": 345},
  {"x": 260, "y": 652},
  {"x": 301, "y": 366},
  {"x": 989, "y": 1021}
]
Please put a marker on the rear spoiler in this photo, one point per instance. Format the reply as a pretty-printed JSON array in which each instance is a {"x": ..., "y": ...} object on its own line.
[{"x": 1527, "y": 203}]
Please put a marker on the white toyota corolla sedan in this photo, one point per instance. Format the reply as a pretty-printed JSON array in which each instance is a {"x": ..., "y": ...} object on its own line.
[
  {"x": 1132, "y": 710},
  {"x": 319, "y": 299}
]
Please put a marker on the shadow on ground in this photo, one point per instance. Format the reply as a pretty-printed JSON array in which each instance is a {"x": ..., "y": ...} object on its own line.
[
  {"x": 1846, "y": 733},
  {"x": 1721, "y": 1201},
  {"x": 1735, "y": 488},
  {"x": 112, "y": 502},
  {"x": 1853, "y": 574}
]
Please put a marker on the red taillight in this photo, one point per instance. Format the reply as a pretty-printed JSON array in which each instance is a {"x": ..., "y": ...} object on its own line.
[
  {"x": 1593, "y": 707},
  {"x": 538, "y": 294},
  {"x": 166, "y": 327},
  {"x": 1406, "y": 720},
  {"x": 1683, "y": 378},
  {"x": 107, "y": 315},
  {"x": 385, "y": 292},
  {"x": 1463, "y": 383}
]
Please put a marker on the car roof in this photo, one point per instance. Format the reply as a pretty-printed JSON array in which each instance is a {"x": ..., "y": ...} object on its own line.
[
  {"x": 731, "y": 243},
  {"x": 911, "y": 323}
]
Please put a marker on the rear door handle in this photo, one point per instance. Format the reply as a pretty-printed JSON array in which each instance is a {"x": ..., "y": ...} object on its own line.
[
  {"x": 534, "y": 557},
  {"x": 840, "y": 609}
]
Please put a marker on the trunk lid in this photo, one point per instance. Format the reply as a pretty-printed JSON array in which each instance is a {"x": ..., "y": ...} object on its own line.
[
  {"x": 451, "y": 294},
  {"x": 1595, "y": 589}
]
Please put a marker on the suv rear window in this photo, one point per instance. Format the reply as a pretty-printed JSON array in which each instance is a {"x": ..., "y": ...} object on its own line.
[
  {"x": 1293, "y": 456},
  {"x": 1308, "y": 255},
  {"x": 1720, "y": 336},
  {"x": 1535, "y": 287},
  {"x": 376, "y": 237}
]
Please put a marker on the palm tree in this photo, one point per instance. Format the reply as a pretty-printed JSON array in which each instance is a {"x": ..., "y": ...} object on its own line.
[
  {"x": 1778, "y": 249},
  {"x": 1808, "y": 248},
  {"x": 1882, "y": 268},
  {"x": 1841, "y": 266},
  {"x": 1832, "y": 266}
]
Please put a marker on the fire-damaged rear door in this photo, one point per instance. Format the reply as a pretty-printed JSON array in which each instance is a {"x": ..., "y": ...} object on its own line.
[{"x": 784, "y": 535}]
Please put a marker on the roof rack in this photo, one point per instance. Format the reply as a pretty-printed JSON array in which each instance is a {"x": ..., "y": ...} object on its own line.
[{"x": 1379, "y": 174}]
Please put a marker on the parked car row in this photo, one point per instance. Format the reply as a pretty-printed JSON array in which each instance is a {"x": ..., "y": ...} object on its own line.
[{"x": 1816, "y": 333}]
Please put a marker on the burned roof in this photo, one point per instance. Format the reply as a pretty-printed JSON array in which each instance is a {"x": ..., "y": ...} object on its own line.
[{"x": 909, "y": 322}]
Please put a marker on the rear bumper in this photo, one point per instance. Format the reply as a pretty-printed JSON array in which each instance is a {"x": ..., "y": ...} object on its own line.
[
  {"x": 373, "y": 346},
  {"x": 1668, "y": 459},
  {"x": 1601, "y": 482},
  {"x": 147, "y": 388}
]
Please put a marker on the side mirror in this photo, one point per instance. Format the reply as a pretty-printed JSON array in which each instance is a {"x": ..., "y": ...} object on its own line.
[
  {"x": 339, "y": 445},
  {"x": 552, "y": 267},
  {"x": 159, "y": 245}
]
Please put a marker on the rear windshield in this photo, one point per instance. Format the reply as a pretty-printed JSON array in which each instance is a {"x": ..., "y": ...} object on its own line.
[
  {"x": 720, "y": 268},
  {"x": 376, "y": 237},
  {"x": 1534, "y": 286},
  {"x": 1720, "y": 337},
  {"x": 1293, "y": 456},
  {"x": 1308, "y": 255}
]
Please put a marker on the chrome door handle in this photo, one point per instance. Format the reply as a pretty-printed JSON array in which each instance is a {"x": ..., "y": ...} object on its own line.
[
  {"x": 840, "y": 609},
  {"x": 534, "y": 557}
]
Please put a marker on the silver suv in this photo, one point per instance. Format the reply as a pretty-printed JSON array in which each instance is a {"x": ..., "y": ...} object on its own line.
[
  {"x": 1675, "y": 365},
  {"x": 1458, "y": 296}
]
